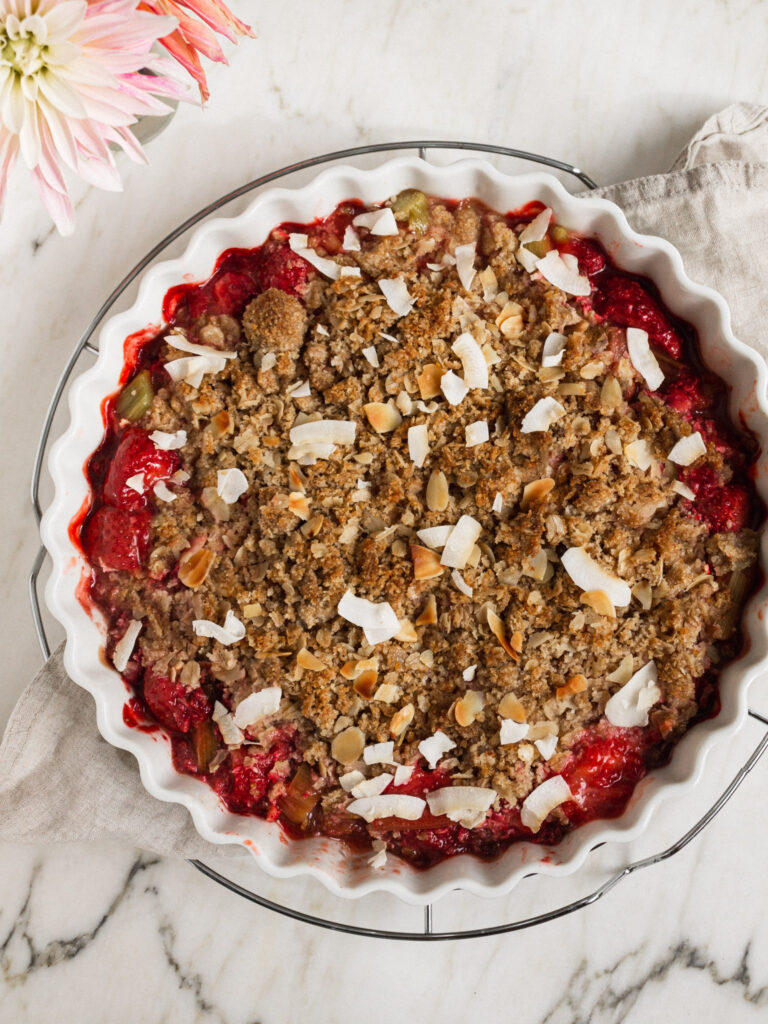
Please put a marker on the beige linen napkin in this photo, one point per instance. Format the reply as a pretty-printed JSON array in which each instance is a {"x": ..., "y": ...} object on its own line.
[{"x": 59, "y": 780}]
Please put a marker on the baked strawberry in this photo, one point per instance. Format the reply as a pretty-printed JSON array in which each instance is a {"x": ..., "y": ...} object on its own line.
[
  {"x": 723, "y": 507},
  {"x": 689, "y": 394},
  {"x": 172, "y": 704},
  {"x": 136, "y": 454},
  {"x": 627, "y": 302},
  {"x": 117, "y": 539},
  {"x": 589, "y": 254},
  {"x": 604, "y": 771},
  {"x": 280, "y": 267}
]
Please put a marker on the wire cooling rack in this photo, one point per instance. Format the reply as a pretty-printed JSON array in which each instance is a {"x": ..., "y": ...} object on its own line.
[{"x": 426, "y": 930}]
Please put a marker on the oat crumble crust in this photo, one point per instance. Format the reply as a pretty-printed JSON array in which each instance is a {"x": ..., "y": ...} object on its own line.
[{"x": 284, "y": 573}]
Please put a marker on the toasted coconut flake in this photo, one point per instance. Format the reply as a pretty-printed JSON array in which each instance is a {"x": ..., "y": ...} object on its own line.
[
  {"x": 460, "y": 543},
  {"x": 643, "y": 359},
  {"x": 454, "y": 389},
  {"x": 465, "y": 264},
  {"x": 390, "y": 805},
  {"x": 526, "y": 259},
  {"x": 539, "y": 804},
  {"x": 469, "y": 673},
  {"x": 387, "y": 693},
  {"x": 352, "y": 669},
  {"x": 576, "y": 684},
  {"x": 476, "y": 433},
  {"x": 378, "y": 222},
  {"x": 623, "y": 673},
  {"x": 372, "y": 356},
  {"x": 176, "y": 339},
  {"x": 541, "y": 417},
  {"x": 365, "y": 683},
  {"x": 437, "y": 491},
  {"x": 588, "y": 575},
  {"x": 350, "y": 779},
  {"x": 269, "y": 359},
  {"x": 460, "y": 583},
  {"x": 599, "y": 602},
  {"x": 435, "y": 536},
  {"x": 467, "y": 805},
  {"x": 537, "y": 228},
  {"x": 466, "y": 710},
  {"x": 554, "y": 349},
  {"x": 163, "y": 492},
  {"x": 418, "y": 444},
  {"x": 395, "y": 291},
  {"x": 638, "y": 453},
  {"x": 192, "y": 368},
  {"x": 512, "y": 732},
  {"x": 125, "y": 645},
  {"x": 498, "y": 503},
  {"x": 351, "y": 240},
  {"x": 490, "y": 284},
  {"x": 347, "y": 745},
  {"x": 380, "y": 753},
  {"x": 433, "y": 747},
  {"x": 492, "y": 357},
  {"x": 258, "y": 705},
  {"x": 194, "y": 565},
  {"x": 318, "y": 432},
  {"x": 429, "y": 379},
  {"x": 510, "y": 707},
  {"x": 299, "y": 390},
  {"x": 688, "y": 450},
  {"x": 497, "y": 628},
  {"x": 231, "y": 632},
  {"x": 372, "y": 787},
  {"x": 535, "y": 492},
  {"x": 407, "y": 634},
  {"x": 401, "y": 720},
  {"x": 683, "y": 490},
  {"x": 306, "y": 659},
  {"x": 472, "y": 361},
  {"x": 382, "y": 417},
  {"x": 613, "y": 441},
  {"x": 168, "y": 442},
  {"x": 428, "y": 615},
  {"x": 230, "y": 733},
  {"x": 643, "y": 594},
  {"x": 563, "y": 272},
  {"x": 298, "y": 503},
  {"x": 231, "y": 485},
  {"x": 628, "y": 707},
  {"x": 426, "y": 563},
  {"x": 378, "y": 621}
]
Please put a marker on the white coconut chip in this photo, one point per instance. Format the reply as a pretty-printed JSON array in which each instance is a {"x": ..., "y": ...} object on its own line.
[
  {"x": 587, "y": 575},
  {"x": 433, "y": 747},
  {"x": 437, "y": 267},
  {"x": 192, "y": 368},
  {"x": 460, "y": 583},
  {"x": 308, "y": 454},
  {"x": 230, "y": 733},
  {"x": 512, "y": 732},
  {"x": 426, "y": 407},
  {"x": 351, "y": 240},
  {"x": 469, "y": 673},
  {"x": 378, "y": 621},
  {"x": 472, "y": 360},
  {"x": 629, "y": 706},
  {"x": 554, "y": 349},
  {"x": 389, "y": 337},
  {"x": 498, "y": 503},
  {"x": 468, "y": 805},
  {"x": 136, "y": 483},
  {"x": 638, "y": 453},
  {"x": 299, "y": 244},
  {"x": 643, "y": 360},
  {"x": 168, "y": 442},
  {"x": 379, "y": 858},
  {"x": 546, "y": 747},
  {"x": 324, "y": 432},
  {"x": 395, "y": 291},
  {"x": 269, "y": 359},
  {"x": 378, "y": 222},
  {"x": 563, "y": 273},
  {"x": 453, "y": 388},
  {"x": 372, "y": 356},
  {"x": 391, "y": 805},
  {"x": 688, "y": 449},
  {"x": 684, "y": 490},
  {"x": 418, "y": 444},
  {"x": 526, "y": 259},
  {"x": 434, "y": 536},
  {"x": 231, "y": 484},
  {"x": 543, "y": 800},
  {"x": 537, "y": 229},
  {"x": 231, "y": 632},
  {"x": 380, "y": 753},
  {"x": 462, "y": 539},
  {"x": 403, "y": 773},
  {"x": 299, "y": 390},
  {"x": 465, "y": 264},
  {"x": 322, "y": 329},
  {"x": 476, "y": 433},
  {"x": 350, "y": 272},
  {"x": 350, "y": 780},
  {"x": 372, "y": 787},
  {"x": 178, "y": 341},
  {"x": 297, "y": 241},
  {"x": 125, "y": 645},
  {"x": 258, "y": 705},
  {"x": 541, "y": 417},
  {"x": 163, "y": 492}
]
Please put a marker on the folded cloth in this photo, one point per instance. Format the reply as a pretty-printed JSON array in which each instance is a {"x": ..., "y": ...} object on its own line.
[{"x": 59, "y": 780}]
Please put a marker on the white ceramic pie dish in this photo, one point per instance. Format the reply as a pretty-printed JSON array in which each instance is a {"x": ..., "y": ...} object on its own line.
[{"x": 344, "y": 874}]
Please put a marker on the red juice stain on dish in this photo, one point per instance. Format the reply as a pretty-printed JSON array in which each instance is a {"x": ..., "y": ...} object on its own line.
[{"x": 604, "y": 765}]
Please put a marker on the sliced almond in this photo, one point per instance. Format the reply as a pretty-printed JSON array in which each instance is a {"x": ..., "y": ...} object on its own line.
[
  {"x": 570, "y": 388},
  {"x": 407, "y": 634},
  {"x": 429, "y": 380},
  {"x": 426, "y": 563},
  {"x": 510, "y": 707},
  {"x": 401, "y": 720},
  {"x": 347, "y": 746},
  {"x": 306, "y": 659},
  {"x": 298, "y": 503},
  {"x": 610, "y": 394},
  {"x": 296, "y": 478},
  {"x": 365, "y": 683},
  {"x": 387, "y": 693},
  {"x": 591, "y": 370},
  {"x": 535, "y": 492},
  {"x": 313, "y": 526},
  {"x": 352, "y": 669},
  {"x": 221, "y": 424},
  {"x": 437, "y": 491},
  {"x": 497, "y": 628},
  {"x": 383, "y": 418},
  {"x": 467, "y": 709},
  {"x": 576, "y": 684},
  {"x": 428, "y": 615},
  {"x": 643, "y": 594},
  {"x": 194, "y": 567},
  {"x": 599, "y": 602}
]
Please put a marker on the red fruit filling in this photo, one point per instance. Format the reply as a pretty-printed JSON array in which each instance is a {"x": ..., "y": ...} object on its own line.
[
  {"x": 725, "y": 508},
  {"x": 172, "y": 704},
  {"x": 625, "y": 301},
  {"x": 605, "y": 768},
  {"x": 280, "y": 267}
]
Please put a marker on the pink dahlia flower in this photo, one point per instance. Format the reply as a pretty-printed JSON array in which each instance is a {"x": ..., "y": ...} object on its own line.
[
  {"x": 193, "y": 38},
  {"x": 72, "y": 81}
]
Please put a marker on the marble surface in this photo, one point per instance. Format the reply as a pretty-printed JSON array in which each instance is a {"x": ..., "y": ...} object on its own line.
[{"x": 106, "y": 933}]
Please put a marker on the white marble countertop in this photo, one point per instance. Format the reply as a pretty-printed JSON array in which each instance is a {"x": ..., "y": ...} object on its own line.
[{"x": 106, "y": 933}]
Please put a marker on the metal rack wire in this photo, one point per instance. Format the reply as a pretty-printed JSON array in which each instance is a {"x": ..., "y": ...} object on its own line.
[{"x": 84, "y": 346}]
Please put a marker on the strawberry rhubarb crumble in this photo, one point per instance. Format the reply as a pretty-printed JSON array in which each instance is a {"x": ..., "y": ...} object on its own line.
[{"x": 423, "y": 527}]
